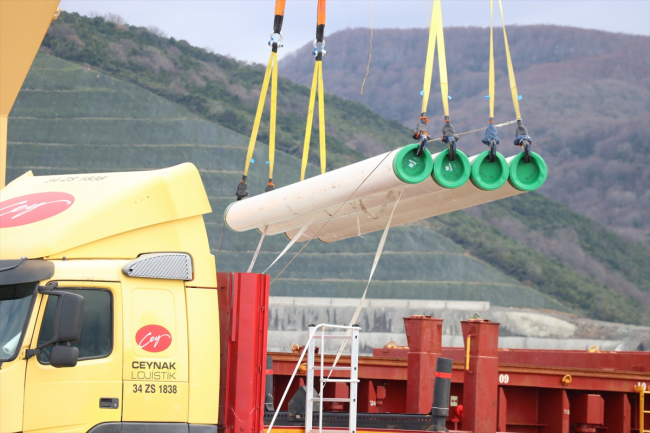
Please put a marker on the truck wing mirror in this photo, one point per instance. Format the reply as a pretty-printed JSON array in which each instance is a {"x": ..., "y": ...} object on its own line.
[
  {"x": 64, "y": 356},
  {"x": 68, "y": 317}
]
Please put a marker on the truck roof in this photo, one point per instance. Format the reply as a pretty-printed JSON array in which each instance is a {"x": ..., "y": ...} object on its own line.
[{"x": 41, "y": 216}]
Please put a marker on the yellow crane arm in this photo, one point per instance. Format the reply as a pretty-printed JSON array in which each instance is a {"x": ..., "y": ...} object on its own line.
[{"x": 23, "y": 25}]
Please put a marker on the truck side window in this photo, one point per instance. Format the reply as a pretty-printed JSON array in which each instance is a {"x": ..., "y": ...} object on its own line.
[{"x": 96, "y": 331}]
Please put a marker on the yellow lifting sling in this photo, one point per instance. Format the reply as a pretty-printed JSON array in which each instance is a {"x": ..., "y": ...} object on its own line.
[
  {"x": 491, "y": 137},
  {"x": 436, "y": 36},
  {"x": 316, "y": 84},
  {"x": 271, "y": 74}
]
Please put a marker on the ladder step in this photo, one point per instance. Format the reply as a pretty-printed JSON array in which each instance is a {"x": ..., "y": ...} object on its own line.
[
  {"x": 340, "y": 380},
  {"x": 341, "y": 400},
  {"x": 325, "y": 367},
  {"x": 333, "y": 337},
  {"x": 315, "y": 430}
]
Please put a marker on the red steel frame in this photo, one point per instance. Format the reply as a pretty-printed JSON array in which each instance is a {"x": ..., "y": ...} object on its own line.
[
  {"x": 243, "y": 320},
  {"x": 504, "y": 390},
  {"x": 492, "y": 390}
]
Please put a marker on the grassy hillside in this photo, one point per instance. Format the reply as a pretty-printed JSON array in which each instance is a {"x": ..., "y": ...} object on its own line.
[
  {"x": 553, "y": 277},
  {"x": 95, "y": 123},
  {"x": 71, "y": 119},
  {"x": 586, "y": 103},
  {"x": 217, "y": 88}
]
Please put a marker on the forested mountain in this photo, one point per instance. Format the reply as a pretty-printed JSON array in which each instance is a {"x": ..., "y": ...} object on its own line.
[
  {"x": 585, "y": 101},
  {"x": 134, "y": 100}
]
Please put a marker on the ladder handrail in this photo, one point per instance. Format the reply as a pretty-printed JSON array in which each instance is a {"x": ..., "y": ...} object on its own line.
[
  {"x": 353, "y": 381},
  {"x": 295, "y": 370},
  {"x": 641, "y": 389}
]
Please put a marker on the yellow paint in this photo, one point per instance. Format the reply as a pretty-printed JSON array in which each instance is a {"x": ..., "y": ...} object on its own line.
[
  {"x": 12, "y": 382},
  {"x": 204, "y": 351},
  {"x": 105, "y": 205},
  {"x": 272, "y": 119},
  {"x": 316, "y": 86},
  {"x": 642, "y": 409},
  {"x": 321, "y": 119},
  {"x": 511, "y": 71},
  {"x": 467, "y": 354},
  {"x": 187, "y": 235},
  {"x": 114, "y": 218},
  {"x": 155, "y": 302},
  {"x": 26, "y": 174},
  {"x": 158, "y": 407},
  {"x": 88, "y": 270},
  {"x": 428, "y": 66},
  {"x": 12, "y": 394},
  {"x": 58, "y": 399},
  {"x": 310, "y": 122},
  {"x": 258, "y": 115},
  {"x": 491, "y": 73},
  {"x": 3, "y": 151},
  {"x": 22, "y": 28},
  {"x": 159, "y": 302},
  {"x": 189, "y": 314}
]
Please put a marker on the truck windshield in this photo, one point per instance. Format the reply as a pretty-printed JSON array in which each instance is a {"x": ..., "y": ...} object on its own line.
[{"x": 15, "y": 301}]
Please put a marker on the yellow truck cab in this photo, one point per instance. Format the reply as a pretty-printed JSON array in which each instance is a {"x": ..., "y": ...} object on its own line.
[{"x": 120, "y": 263}]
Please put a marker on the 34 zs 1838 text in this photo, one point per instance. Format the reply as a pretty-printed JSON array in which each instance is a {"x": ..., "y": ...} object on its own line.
[{"x": 151, "y": 389}]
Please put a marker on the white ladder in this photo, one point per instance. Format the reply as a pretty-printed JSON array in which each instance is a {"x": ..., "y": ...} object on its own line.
[{"x": 353, "y": 335}]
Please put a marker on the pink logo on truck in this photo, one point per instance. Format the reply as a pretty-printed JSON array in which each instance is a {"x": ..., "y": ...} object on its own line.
[
  {"x": 153, "y": 338},
  {"x": 31, "y": 208}
]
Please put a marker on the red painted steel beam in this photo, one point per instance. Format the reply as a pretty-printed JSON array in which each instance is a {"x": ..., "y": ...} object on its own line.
[
  {"x": 424, "y": 336},
  {"x": 618, "y": 413},
  {"x": 554, "y": 411},
  {"x": 576, "y": 378},
  {"x": 607, "y": 361},
  {"x": 243, "y": 315},
  {"x": 481, "y": 382},
  {"x": 369, "y": 367}
]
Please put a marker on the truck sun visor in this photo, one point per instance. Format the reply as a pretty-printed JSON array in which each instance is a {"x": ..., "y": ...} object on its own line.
[{"x": 24, "y": 271}]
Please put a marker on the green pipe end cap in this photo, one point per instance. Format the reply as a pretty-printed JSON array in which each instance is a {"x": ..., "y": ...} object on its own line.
[
  {"x": 409, "y": 167},
  {"x": 225, "y": 212},
  {"x": 451, "y": 174},
  {"x": 527, "y": 177},
  {"x": 487, "y": 175}
]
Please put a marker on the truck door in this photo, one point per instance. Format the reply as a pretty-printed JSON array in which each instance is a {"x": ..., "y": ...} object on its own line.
[{"x": 76, "y": 398}]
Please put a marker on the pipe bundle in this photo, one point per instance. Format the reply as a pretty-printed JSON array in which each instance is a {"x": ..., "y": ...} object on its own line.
[{"x": 357, "y": 199}]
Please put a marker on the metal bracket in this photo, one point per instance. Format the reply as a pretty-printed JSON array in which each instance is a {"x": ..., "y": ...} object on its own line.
[{"x": 493, "y": 150}]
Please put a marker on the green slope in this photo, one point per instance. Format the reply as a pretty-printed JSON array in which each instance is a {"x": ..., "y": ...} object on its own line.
[
  {"x": 552, "y": 277},
  {"x": 98, "y": 123},
  {"x": 148, "y": 136},
  {"x": 218, "y": 88}
]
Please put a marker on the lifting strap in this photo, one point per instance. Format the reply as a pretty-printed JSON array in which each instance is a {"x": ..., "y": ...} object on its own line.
[
  {"x": 491, "y": 77},
  {"x": 380, "y": 249},
  {"x": 442, "y": 62},
  {"x": 428, "y": 68},
  {"x": 511, "y": 72},
  {"x": 491, "y": 137},
  {"x": 257, "y": 251},
  {"x": 316, "y": 85},
  {"x": 271, "y": 75},
  {"x": 521, "y": 134},
  {"x": 290, "y": 244},
  {"x": 436, "y": 36}
]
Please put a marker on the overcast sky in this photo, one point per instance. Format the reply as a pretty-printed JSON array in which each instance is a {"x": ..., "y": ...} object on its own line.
[{"x": 241, "y": 28}]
